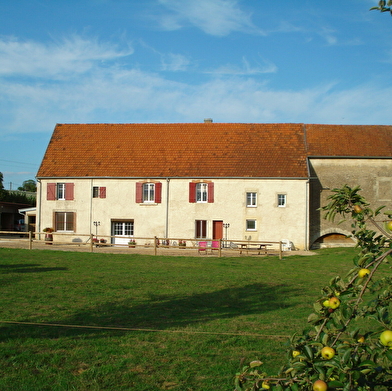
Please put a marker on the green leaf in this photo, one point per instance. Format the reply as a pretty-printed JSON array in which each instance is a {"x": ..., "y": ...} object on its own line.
[
  {"x": 335, "y": 384},
  {"x": 308, "y": 352},
  {"x": 389, "y": 355}
]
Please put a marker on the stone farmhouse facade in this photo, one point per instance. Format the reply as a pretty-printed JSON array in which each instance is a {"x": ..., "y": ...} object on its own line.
[{"x": 190, "y": 180}]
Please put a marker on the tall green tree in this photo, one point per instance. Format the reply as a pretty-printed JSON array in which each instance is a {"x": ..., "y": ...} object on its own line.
[{"x": 28, "y": 185}]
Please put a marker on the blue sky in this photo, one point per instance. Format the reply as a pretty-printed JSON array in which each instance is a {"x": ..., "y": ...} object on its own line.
[{"x": 89, "y": 61}]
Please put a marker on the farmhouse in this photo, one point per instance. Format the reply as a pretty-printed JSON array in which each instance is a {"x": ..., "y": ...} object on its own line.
[{"x": 209, "y": 180}]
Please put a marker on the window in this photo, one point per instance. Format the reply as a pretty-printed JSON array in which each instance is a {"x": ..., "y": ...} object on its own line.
[
  {"x": 251, "y": 225},
  {"x": 251, "y": 200},
  {"x": 201, "y": 192},
  {"x": 282, "y": 200},
  {"x": 123, "y": 228},
  {"x": 201, "y": 229},
  {"x": 64, "y": 221},
  {"x": 99, "y": 192},
  {"x": 60, "y": 191},
  {"x": 148, "y": 192}
]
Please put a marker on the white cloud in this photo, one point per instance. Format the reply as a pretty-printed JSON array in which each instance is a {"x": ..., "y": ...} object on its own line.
[
  {"x": 110, "y": 93},
  {"x": 75, "y": 55},
  {"x": 214, "y": 17},
  {"x": 246, "y": 68},
  {"x": 174, "y": 62}
]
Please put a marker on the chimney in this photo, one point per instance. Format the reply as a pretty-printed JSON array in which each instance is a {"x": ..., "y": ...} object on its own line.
[{"x": 208, "y": 120}]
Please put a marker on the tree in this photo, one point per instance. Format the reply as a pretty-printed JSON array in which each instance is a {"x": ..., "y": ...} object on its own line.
[
  {"x": 334, "y": 352},
  {"x": 383, "y": 6},
  {"x": 28, "y": 185}
]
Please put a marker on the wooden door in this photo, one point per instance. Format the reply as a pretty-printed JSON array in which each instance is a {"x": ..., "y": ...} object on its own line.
[{"x": 217, "y": 229}]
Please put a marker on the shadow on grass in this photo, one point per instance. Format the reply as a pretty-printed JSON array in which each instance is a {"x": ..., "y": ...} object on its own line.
[
  {"x": 27, "y": 268},
  {"x": 172, "y": 311}
]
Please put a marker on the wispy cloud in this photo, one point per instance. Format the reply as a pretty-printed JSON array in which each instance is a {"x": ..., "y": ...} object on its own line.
[
  {"x": 107, "y": 92},
  {"x": 214, "y": 17},
  {"x": 246, "y": 68},
  {"x": 174, "y": 62},
  {"x": 57, "y": 59}
]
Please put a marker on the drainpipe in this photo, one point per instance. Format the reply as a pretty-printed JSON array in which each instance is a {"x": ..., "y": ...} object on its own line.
[
  {"x": 167, "y": 208},
  {"x": 39, "y": 204},
  {"x": 307, "y": 216}
]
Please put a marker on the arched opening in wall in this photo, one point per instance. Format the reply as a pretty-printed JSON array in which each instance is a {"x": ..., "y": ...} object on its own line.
[{"x": 333, "y": 240}]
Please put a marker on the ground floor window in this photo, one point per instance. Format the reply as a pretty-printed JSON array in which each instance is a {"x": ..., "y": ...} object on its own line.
[
  {"x": 64, "y": 221},
  {"x": 201, "y": 229},
  {"x": 251, "y": 225}
]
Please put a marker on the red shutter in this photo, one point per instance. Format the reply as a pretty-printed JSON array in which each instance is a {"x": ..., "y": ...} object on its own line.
[
  {"x": 158, "y": 192},
  {"x": 69, "y": 191},
  {"x": 102, "y": 192},
  {"x": 51, "y": 192},
  {"x": 211, "y": 192},
  {"x": 139, "y": 192},
  {"x": 192, "y": 192}
]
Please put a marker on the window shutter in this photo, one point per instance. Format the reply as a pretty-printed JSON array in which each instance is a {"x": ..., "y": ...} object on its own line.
[
  {"x": 51, "y": 192},
  {"x": 158, "y": 192},
  {"x": 211, "y": 192},
  {"x": 192, "y": 192},
  {"x": 139, "y": 192},
  {"x": 102, "y": 192},
  {"x": 69, "y": 191}
]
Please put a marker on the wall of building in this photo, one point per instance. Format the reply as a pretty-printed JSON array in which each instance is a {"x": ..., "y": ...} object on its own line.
[
  {"x": 374, "y": 176},
  {"x": 175, "y": 216}
]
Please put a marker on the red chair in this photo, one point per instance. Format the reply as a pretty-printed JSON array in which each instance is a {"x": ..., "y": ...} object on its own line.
[
  {"x": 214, "y": 246},
  {"x": 202, "y": 248}
]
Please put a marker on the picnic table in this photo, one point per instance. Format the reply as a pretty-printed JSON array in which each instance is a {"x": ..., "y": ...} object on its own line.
[{"x": 259, "y": 247}]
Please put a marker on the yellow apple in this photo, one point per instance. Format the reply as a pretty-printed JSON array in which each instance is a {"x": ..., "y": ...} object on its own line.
[
  {"x": 389, "y": 225},
  {"x": 326, "y": 303},
  {"x": 363, "y": 273},
  {"x": 296, "y": 353},
  {"x": 357, "y": 209},
  {"x": 361, "y": 339},
  {"x": 265, "y": 386},
  {"x": 327, "y": 353},
  {"x": 386, "y": 338},
  {"x": 334, "y": 302},
  {"x": 320, "y": 385}
]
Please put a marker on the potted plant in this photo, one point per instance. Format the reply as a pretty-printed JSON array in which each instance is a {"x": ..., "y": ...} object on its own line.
[
  {"x": 182, "y": 243},
  {"x": 48, "y": 235},
  {"x": 132, "y": 243}
]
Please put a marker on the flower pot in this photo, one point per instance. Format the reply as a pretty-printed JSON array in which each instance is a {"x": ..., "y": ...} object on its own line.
[{"x": 48, "y": 239}]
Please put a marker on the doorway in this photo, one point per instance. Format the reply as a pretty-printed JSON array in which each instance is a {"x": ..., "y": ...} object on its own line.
[{"x": 217, "y": 229}]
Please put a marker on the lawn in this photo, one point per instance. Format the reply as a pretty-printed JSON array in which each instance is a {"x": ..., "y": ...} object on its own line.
[{"x": 155, "y": 322}]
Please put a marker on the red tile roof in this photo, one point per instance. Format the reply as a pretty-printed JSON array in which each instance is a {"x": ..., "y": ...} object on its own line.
[
  {"x": 203, "y": 149},
  {"x": 349, "y": 140}
]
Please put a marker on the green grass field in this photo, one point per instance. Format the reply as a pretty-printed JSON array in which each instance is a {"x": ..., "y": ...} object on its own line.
[{"x": 160, "y": 323}]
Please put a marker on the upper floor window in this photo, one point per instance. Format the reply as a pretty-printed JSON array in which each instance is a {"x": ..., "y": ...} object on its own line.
[
  {"x": 60, "y": 191},
  {"x": 99, "y": 192},
  {"x": 282, "y": 200},
  {"x": 201, "y": 192},
  {"x": 251, "y": 200},
  {"x": 148, "y": 192}
]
